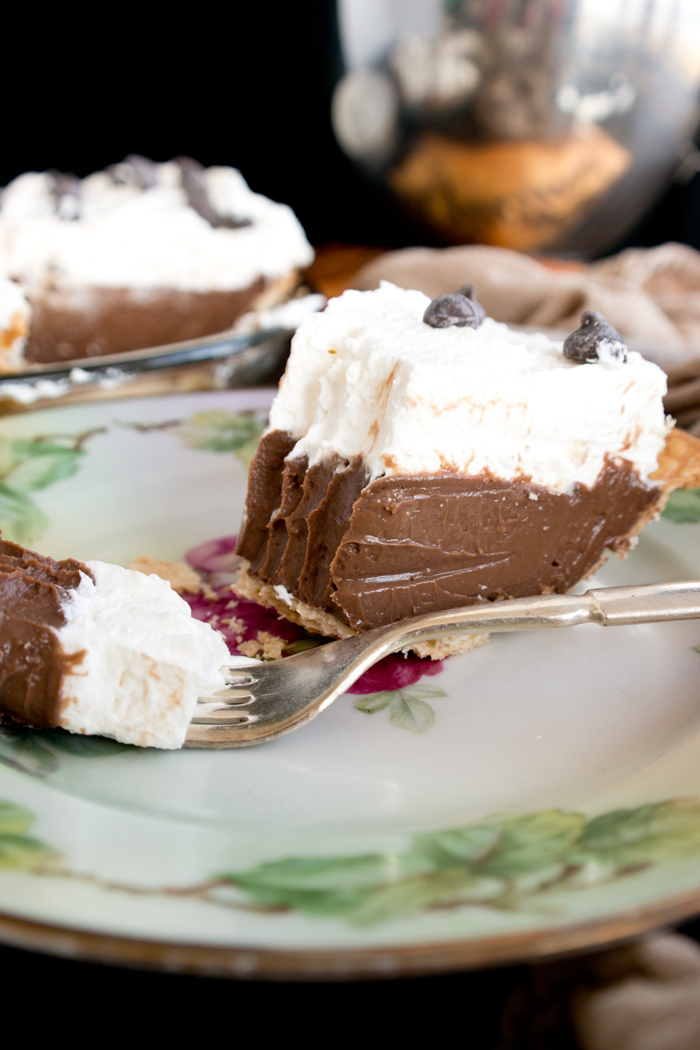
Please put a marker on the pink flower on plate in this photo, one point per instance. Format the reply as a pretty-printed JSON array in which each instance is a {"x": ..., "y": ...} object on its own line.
[
  {"x": 395, "y": 672},
  {"x": 214, "y": 556},
  {"x": 242, "y": 621}
]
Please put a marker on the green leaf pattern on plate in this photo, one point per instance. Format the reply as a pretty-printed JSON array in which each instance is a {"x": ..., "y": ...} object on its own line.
[
  {"x": 221, "y": 431},
  {"x": 34, "y": 751},
  {"x": 683, "y": 506},
  {"x": 18, "y": 850},
  {"x": 30, "y": 464},
  {"x": 215, "y": 430},
  {"x": 20, "y": 518},
  {"x": 22, "y": 749},
  {"x": 508, "y": 863},
  {"x": 407, "y": 710},
  {"x": 27, "y": 465},
  {"x": 503, "y": 863}
]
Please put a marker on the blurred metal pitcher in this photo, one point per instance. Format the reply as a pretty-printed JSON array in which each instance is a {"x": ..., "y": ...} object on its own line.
[{"x": 542, "y": 125}]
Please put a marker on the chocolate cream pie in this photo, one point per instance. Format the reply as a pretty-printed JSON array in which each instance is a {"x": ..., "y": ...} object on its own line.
[
  {"x": 143, "y": 254},
  {"x": 420, "y": 456},
  {"x": 98, "y": 649}
]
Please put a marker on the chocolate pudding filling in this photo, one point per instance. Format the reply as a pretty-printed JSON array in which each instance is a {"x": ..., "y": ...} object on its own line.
[
  {"x": 33, "y": 593},
  {"x": 374, "y": 553},
  {"x": 96, "y": 321}
]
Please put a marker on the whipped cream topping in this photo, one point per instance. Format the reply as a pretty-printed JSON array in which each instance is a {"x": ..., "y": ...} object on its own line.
[
  {"x": 146, "y": 658},
  {"x": 367, "y": 377},
  {"x": 116, "y": 234}
]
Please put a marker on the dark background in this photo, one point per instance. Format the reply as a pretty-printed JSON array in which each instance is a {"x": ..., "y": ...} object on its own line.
[{"x": 246, "y": 85}]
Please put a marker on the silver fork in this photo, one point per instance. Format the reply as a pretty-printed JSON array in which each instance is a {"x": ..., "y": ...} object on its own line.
[{"x": 267, "y": 700}]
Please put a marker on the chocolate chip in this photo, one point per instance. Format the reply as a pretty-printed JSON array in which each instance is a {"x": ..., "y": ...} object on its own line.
[
  {"x": 134, "y": 170},
  {"x": 595, "y": 340},
  {"x": 198, "y": 198},
  {"x": 469, "y": 291},
  {"x": 67, "y": 192},
  {"x": 144, "y": 169},
  {"x": 459, "y": 309}
]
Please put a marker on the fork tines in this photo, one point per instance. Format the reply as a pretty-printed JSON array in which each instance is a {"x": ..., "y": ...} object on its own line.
[{"x": 223, "y": 707}]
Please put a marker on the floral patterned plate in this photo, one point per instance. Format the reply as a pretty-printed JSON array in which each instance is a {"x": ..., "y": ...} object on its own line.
[{"x": 536, "y": 795}]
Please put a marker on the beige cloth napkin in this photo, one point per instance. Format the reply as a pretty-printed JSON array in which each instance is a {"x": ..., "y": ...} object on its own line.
[
  {"x": 645, "y": 996},
  {"x": 651, "y": 295}
]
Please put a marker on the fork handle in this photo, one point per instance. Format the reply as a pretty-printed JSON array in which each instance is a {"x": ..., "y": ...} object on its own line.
[{"x": 606, "y": 606}]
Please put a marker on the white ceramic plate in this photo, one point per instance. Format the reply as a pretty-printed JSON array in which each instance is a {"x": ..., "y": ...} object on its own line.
[{"x": 535, "y": 795}]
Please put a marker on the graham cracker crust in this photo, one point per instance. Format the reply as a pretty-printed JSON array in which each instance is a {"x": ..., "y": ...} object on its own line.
[{"x": 679, "y": 462}]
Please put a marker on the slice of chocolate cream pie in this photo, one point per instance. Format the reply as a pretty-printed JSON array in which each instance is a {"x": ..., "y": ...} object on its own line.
[
  {"x": 421, "y": 456},
  {"x": 98, "y": 649},
  {"x": 143, "y": 254}
]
